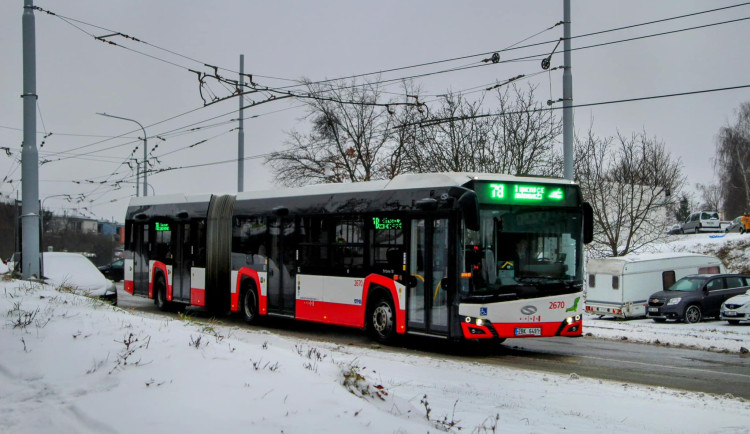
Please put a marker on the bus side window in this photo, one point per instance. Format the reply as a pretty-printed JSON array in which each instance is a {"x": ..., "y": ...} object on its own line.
[{"x": 313, "y": 244}]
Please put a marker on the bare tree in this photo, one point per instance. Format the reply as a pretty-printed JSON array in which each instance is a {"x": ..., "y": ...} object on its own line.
[
  {"x": 628, "y": 181},
  {"x": 733, "y": 163},
  {"x": 711, "y": 196},
  {"x": 516, "y": 138},
  {"x": 350, "y": 139}
]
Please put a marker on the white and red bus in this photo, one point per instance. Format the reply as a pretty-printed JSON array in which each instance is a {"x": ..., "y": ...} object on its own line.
[{"x": 455, "y": 255}]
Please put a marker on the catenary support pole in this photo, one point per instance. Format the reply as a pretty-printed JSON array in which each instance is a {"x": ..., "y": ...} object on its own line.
[
  {"x": 30, "y": 264},
  {"x": 567, "y": 96},
  {"x": 241, "y": 133}
]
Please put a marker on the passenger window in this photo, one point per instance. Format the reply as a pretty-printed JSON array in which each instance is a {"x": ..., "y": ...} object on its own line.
[
  {"x": 592, "y": 280},
  {"x": 715, "y": 284},
  {"x": 734, "y": 282},
  {"x": 667, "y": 279},
  {"x": 615, "y": 282},
  {"x": 709, "y": 270}
]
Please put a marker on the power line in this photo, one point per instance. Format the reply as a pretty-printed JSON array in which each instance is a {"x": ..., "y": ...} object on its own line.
[{"x": 619, "y": 101}]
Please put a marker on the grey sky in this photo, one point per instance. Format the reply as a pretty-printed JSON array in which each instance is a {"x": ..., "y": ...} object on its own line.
[{"x": 78, "y": 76}]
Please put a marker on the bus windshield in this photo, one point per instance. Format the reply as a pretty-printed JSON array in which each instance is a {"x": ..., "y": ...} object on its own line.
[{"x": 523, "y": 252}]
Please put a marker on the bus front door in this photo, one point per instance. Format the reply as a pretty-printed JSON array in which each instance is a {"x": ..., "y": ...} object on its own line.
[
  {"x": 282, "y": 266},
  {"x": 427, "y": 297}
]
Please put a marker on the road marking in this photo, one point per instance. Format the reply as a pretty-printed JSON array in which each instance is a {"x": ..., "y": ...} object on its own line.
[{"x": 672, "y": 367}]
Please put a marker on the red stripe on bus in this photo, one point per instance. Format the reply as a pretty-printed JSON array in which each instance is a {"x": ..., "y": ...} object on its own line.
[
  {"x": 197, "y": 297},
  {"x": 159, "y": 266},
  {"x": 129, "y": 286},
  {"x": 330, "y": 313},
  {"x": 389, "y": 284},
  {"x": 473, "y": 331},
  {"x": 548, "y": 329},
  {"x": 235, "y": 297}
]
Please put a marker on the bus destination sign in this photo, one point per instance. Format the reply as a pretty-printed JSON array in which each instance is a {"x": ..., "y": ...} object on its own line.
[
  {"x": 526, "y": 194},
  {"x": 161, "y": 227}
]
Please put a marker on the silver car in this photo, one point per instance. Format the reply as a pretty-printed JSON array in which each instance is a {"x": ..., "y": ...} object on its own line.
[
  {"x": 702, "y": 221},
  {"x": 736, "y": 225}
]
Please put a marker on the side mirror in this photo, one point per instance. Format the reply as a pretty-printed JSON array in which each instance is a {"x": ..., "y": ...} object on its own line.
[{"x": 469, "y": 205}]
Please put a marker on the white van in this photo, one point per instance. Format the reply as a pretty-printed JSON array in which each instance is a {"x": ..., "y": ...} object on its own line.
[{"x": 620, "y": 286}]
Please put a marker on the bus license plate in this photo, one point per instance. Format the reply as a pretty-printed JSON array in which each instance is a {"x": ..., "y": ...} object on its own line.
[
  {"x": 730, "y": 313},
  {"x": 529, "y": 331}
]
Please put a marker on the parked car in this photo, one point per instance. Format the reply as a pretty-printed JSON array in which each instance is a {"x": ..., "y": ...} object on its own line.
[
  {"x": 735, "y": 225},
  {"x": 702, "y": 221},
  {"x": 77, "y": 272},
  {"x": 696, "y": 296},
  {"x": 113, "y": 271},
  {"x": 674, "y": 229},
  {"x": 739, "y": 224},
  {"x": 736, "y": 308},
  {"x": 620, "y": 286}
]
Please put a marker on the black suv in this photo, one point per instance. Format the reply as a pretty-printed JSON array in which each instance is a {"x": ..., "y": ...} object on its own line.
[
  {"x": 114, "y": 271},
  {"x": 695, "y": 296}
]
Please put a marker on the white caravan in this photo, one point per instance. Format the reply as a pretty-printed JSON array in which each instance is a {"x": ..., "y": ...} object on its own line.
[{"x": 620, "y": 286}]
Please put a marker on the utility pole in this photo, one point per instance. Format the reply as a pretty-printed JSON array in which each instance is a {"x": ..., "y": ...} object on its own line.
[
  {"x": 567, "y": 96},
  {"x": 241, "y": 133},
  {"x": 145, "y": 150},
  {"x": 30, "y": 264}
]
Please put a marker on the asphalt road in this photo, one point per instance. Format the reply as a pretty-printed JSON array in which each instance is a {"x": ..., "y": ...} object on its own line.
[{"x": 621, "y": 361}]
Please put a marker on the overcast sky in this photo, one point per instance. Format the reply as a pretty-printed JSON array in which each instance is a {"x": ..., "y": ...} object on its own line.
[{"x": 78, "y": 76}]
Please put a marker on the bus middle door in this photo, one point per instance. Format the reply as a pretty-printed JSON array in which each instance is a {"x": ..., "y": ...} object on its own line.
[
  {"x": 182, "y": 263},
  {"x": 282, "y": 266}
]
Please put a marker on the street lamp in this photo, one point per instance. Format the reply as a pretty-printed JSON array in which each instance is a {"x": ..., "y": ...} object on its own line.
[{"x": 145, "y": 143}]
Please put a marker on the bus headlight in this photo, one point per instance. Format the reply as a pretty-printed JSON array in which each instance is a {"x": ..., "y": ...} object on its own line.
[{"x": 480, "y": 322}]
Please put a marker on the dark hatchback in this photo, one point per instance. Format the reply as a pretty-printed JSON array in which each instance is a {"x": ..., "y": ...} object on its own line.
[
  {"x": 696, "y": 296},
  {"x": 114, "y": 271}
]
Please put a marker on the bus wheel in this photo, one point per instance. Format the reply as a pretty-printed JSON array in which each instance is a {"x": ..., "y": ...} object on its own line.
[
  {"x": 249, "y": 305},
  {"x": 160, "y": 298},
  {"x": 382, "y": 320}
]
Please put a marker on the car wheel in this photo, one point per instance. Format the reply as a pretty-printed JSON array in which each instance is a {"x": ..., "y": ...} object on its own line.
[
  {"x": 733, "y": 321},
  {"x": 693, "y": 314},
  {"x": 660, "y": 319},
  {"x": 382, "y": 320},
  {"x": 742, "y": 230},
  {"x": 250, "y": 305},
  {"x": 160, "y": 296}
]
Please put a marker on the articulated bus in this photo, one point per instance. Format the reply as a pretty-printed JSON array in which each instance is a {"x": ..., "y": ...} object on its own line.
[{"x": 453, "y": 255}]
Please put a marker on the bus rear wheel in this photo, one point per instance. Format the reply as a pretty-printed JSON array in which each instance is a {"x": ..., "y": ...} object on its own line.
[
  {"x": 382, "y": 320},
  {"x": 250, "y": 305}
]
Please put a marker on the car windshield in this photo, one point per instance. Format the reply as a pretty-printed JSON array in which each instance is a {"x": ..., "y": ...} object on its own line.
[
  {"x": 687, "y": 284},
  {"x": 517, "y": 249}
]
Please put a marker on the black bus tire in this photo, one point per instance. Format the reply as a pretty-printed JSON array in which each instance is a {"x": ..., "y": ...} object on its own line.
[
  {"x": 160, "y": 294},
  {"x": 381, "y": 319},
  {"x": 249, "y": 306}
]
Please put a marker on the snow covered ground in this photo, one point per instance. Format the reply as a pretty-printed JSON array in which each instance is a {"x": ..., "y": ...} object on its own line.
[{"x": 73, "y": 364}]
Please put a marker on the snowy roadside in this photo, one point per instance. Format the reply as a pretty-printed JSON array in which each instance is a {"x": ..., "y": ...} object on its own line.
[
  {"x": 708, "y": 335},
  {"x": 72, "y": 364}
]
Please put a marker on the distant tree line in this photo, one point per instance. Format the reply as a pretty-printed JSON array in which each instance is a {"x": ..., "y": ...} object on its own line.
[{"x": 733, "y": 164}]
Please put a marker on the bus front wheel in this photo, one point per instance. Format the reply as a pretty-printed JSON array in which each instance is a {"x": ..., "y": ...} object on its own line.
[{"x": 382, "y": 320}]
